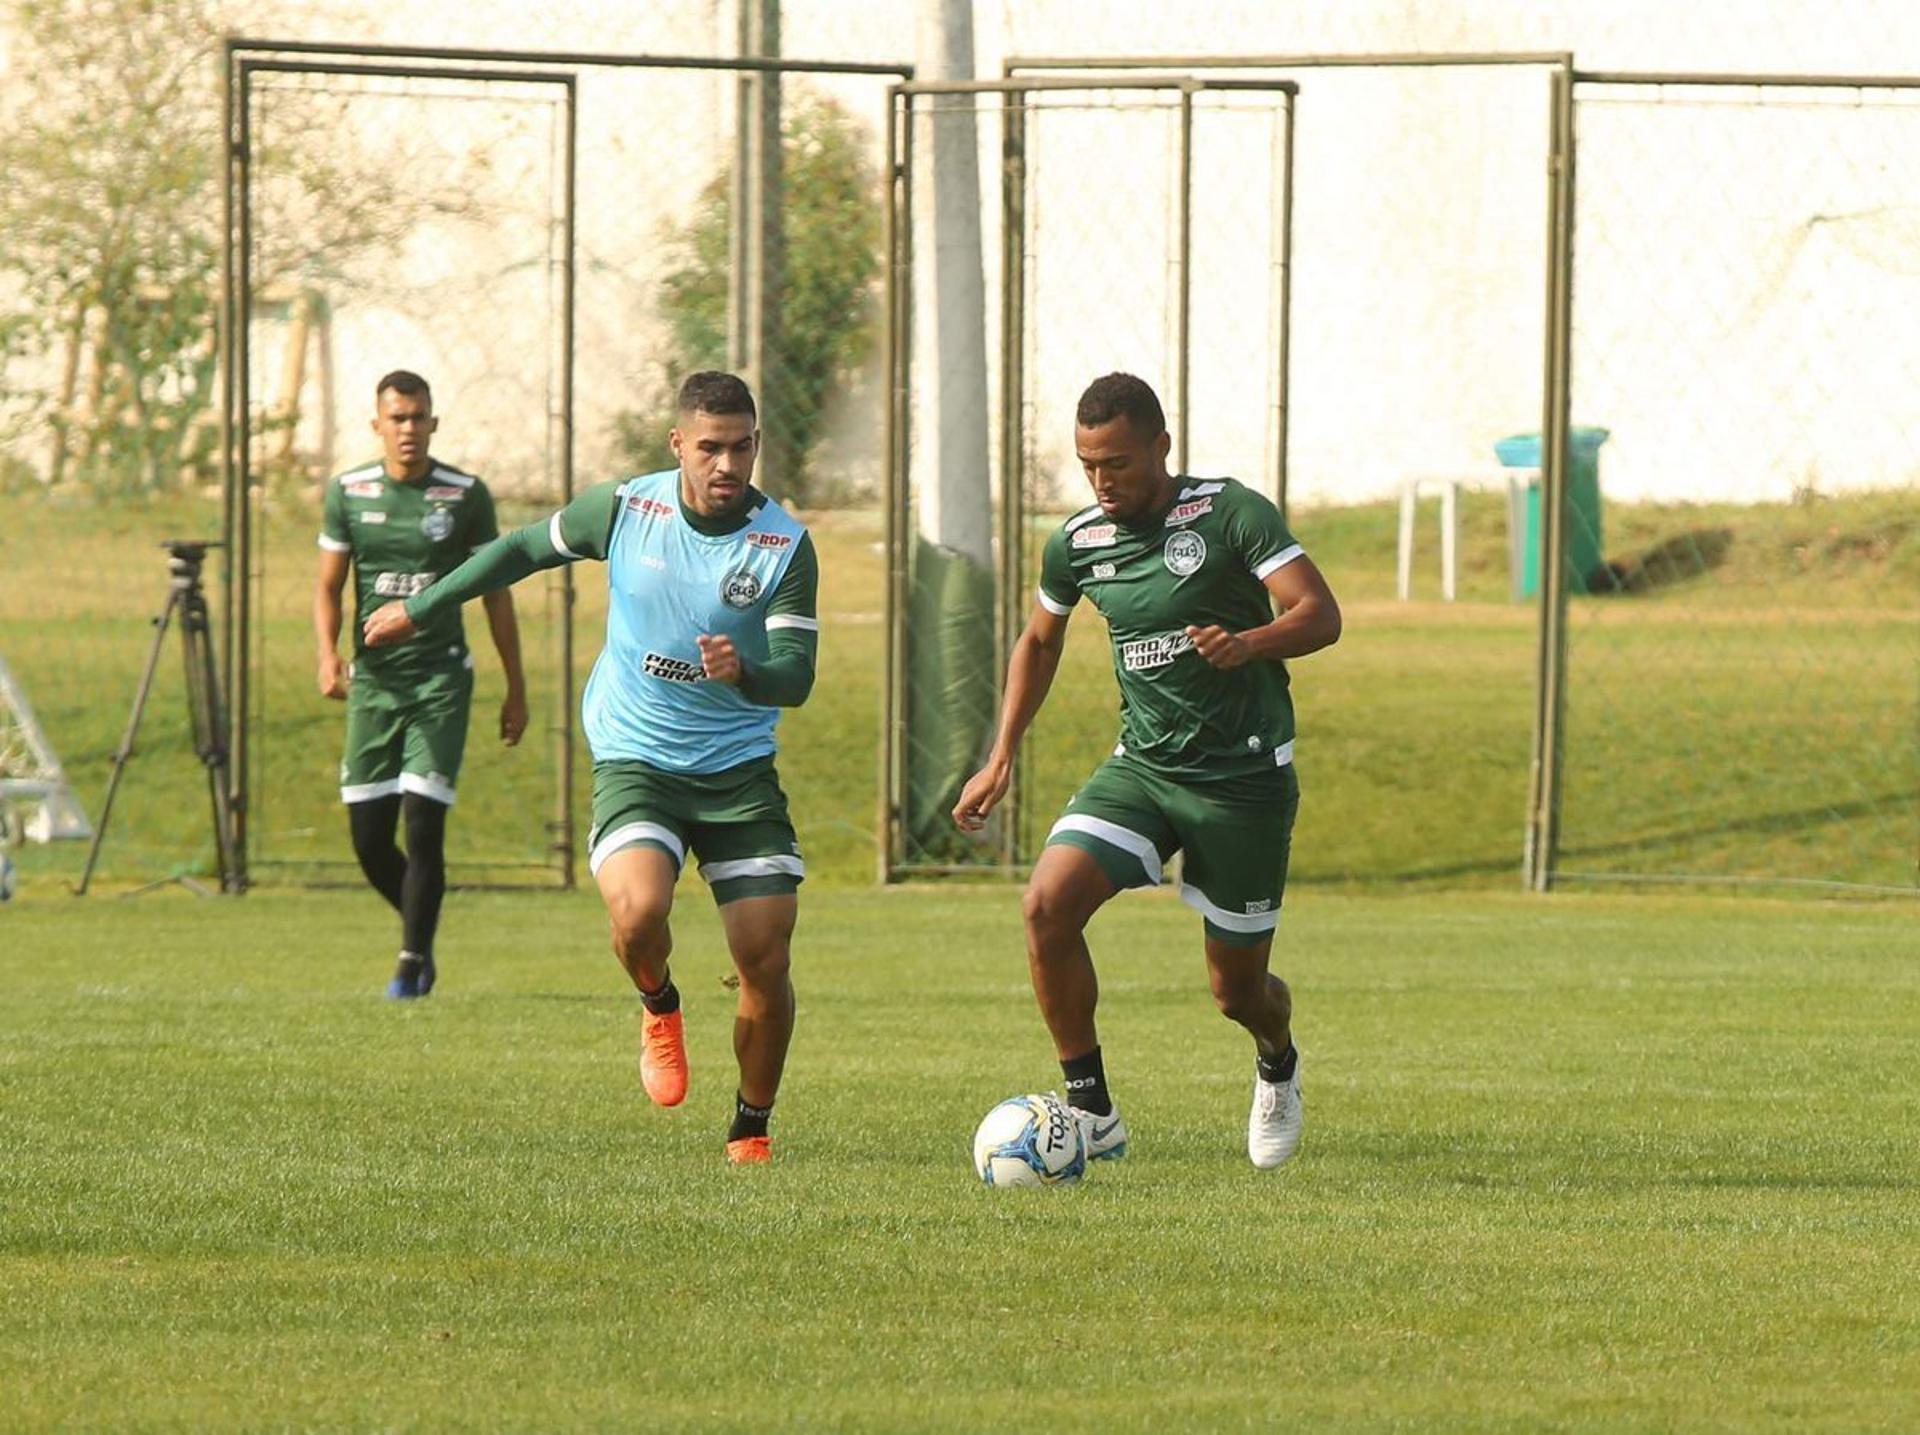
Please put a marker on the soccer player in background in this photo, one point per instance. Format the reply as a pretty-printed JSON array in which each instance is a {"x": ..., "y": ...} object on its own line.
[
  {"x": 711, "y": 630},
  {"x": 401, "y": 523},
  {"x": 1189, "y": 574}
]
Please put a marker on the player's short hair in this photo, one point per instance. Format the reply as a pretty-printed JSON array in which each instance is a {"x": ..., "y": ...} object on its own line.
[
  {"x": 404, "y": 381},
  {"x": 1113, "y": 396},
  {"x": 712, "y": 392}
]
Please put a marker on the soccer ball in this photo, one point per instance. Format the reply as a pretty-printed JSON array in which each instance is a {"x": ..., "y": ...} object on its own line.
[{"x": 1030, "y": 1141}]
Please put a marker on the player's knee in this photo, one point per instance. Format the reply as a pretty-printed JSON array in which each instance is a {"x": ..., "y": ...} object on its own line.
[
  {"x": 1049, "y": 910},
  {"x": 764, "y": 966},
  {"x": 639, "y": 921}
]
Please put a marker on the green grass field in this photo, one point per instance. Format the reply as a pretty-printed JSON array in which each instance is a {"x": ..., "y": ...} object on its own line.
[
  {"x": 1576, "y": 1163},
  {"x": 1754, "y": 718}
]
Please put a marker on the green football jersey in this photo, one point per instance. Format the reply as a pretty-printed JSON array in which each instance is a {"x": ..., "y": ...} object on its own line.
[
  {"x": 402, "y": 536},
  {"x": 1200, "y": 561}
]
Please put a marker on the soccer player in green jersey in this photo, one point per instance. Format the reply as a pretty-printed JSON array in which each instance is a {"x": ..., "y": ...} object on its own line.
[
  {"x": 401, "y": 523},
  {"x": 1189, "y": 574}
]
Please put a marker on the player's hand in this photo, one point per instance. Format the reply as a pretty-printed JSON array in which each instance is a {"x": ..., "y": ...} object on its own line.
[
  {"x": 388, "y": 625},
  {"x": 333, "y": 677},
  {"x": 719, "y": 660},
  {"x": 981, "y": 795},
  {"x": 513, "y": 718},
  {"x": 1219, "y": 647}
]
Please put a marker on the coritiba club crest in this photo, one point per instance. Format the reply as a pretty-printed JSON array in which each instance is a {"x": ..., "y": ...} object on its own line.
[
  {"x": 1184, "y": 553},
  {"x": 437, "y": 525},
  {"x": 740, "y": 589}
]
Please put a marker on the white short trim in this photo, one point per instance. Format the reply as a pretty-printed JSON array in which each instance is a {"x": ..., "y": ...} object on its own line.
[
  {"x": 334, "y": 545},
  {"x": 1283, "y": 754},
  {"x": 774, "y": 866},
  {"x": 422, "y": 786},
  {"x": 1232, "y": 921},
  {"x": 1058, "y": 609},
  {"x": 1085, "y": 515},
  {"x": 627, "y": 834},
  {"x": 792, "y": 620},
  {"x": 1114, "y": 835},
  {"x": 559, "y": 544},
  {"x": 367, "y": 791},
  {"x": 1278, "y": 561},
  {"x": 1203, "y": 489},
  {"x": 441, "y": 474}
]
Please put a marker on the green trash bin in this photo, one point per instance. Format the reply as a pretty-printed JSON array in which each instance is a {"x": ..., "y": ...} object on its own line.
[{"x": 1586, "y": 553}]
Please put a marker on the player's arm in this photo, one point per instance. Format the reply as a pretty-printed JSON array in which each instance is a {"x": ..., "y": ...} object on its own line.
[
  {"x": 484, "y": 528},
  {"x": 336, "y": 554},
  {"x": 582, "y": 529},
  {"x": 784, "y": 678},
  {"x": 505, "y": 628},
  {"x": 1307, "y": 618},
  {"x": 1036, "y": 658}
]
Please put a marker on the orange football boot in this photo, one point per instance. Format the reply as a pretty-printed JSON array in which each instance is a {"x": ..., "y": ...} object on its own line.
[
  {"x": 750, "y": 1151},
  {"x": 663, "y": 1058}
]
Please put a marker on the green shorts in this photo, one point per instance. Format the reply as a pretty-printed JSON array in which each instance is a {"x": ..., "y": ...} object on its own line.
[
  {"x": 735, "y": 822},
  {"x": 1236, "y": 832},
  {"x": 406, "y": 737}
]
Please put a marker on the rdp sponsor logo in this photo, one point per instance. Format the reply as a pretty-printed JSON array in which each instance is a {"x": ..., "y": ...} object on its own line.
[
  {"x": 651, "y": 508},
  {"x": 1096, "y": 535},
  {"x": 445, "y": 493},
  {"x": 1187, "y": 512},
  {"x": 769, "y": 540},
  {"x": 1145, "y": 654}
]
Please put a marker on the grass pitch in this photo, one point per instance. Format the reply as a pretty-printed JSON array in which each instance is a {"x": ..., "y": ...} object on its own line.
[{"x": 1573, "y": 1163}]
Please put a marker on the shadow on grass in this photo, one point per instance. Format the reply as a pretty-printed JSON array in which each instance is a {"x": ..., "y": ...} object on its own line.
[
  {"x": 1767, "y": 823},
  {"x": 1667, "y": 564}
]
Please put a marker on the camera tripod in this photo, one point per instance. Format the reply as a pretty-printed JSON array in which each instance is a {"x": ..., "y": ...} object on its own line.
[{"x": 186, "y": 599}]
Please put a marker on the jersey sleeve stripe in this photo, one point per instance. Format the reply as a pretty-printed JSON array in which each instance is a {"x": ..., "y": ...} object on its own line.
[
  {"x": 334, "y": 545},
  {"x": 1278, "y": 561},
  {"x": 1051, "y": 604},
  {"x": 793, "y": 620},
  {"x": 559, "y": 543}
]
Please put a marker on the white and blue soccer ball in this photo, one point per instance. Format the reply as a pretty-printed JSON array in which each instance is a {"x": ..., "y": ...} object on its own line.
[{"x": 1030, "y": 1141}]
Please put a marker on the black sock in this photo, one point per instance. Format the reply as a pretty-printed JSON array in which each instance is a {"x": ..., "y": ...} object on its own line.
[
  {"x": 1276, "y": 1069},
  {"x": 1087, "y": 1084},
  {"x": 664, "y": 1002},
  {"x": 748, "y": 1120}
]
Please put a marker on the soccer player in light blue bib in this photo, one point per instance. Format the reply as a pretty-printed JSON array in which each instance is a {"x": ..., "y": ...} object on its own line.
[{"x": 711, "y": 630}]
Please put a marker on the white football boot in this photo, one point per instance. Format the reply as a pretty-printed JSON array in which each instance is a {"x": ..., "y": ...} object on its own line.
[
  {"x": 1106, "y": 1135},
  {"x": 1273, "y": 1126}
]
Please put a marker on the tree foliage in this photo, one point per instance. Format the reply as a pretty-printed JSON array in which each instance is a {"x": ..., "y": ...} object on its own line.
[{"x": 830, "y": 239}]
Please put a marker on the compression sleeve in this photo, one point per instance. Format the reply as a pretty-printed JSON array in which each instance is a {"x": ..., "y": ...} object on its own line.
[
  {"x": 785, "y": 677},
  {"x": 500, "y": 564},
  {"x": 583, "y": 529}
]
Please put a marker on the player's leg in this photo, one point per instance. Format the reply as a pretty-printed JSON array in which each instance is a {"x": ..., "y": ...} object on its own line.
[
  {"x": 1238, "y": 834},
  {"x": 1111, "y": 837},
  {"x": 750, "y": 857},
  {"x": 373, "y": 821},
  {"x": 634, "y": 852},
  {"x": 760, "y": 938},
  {"x": 435, "y": 742},
  {"x": 370, "y": 788},
  {"x": 425, "y": 886}
]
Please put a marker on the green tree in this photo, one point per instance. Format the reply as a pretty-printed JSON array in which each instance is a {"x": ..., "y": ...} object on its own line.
[
  {"x": 830, "y": 232},
  {"x": 110, "y": 232}
]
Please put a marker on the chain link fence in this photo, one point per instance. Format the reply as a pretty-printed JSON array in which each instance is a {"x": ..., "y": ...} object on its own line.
[{"x": 1743, "y": 699}]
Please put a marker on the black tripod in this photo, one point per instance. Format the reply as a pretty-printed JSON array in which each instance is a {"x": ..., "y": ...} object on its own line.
[{"x": 184, "y": 596}]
